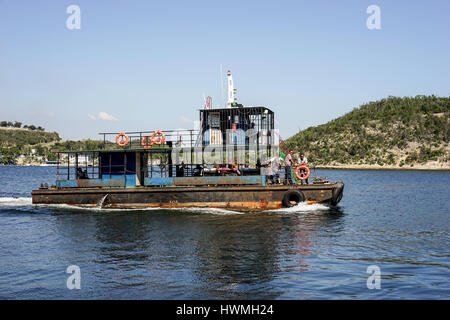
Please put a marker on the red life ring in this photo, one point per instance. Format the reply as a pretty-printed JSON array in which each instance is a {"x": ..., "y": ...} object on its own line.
[
  {"x": 147, "y": 142},
  {"x": 160, "y": 137},
  {"x": 302, "y": 176},
  {"x": 122, "y": 143}
]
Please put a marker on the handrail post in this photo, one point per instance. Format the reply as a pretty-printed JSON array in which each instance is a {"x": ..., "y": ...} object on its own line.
[{"x": 125, "y": 169}]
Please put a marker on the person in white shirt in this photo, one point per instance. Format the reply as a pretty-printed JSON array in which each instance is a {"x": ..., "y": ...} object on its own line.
[
  {"x": 303, "y": 161},
  {"x": 274, "y": 173}
]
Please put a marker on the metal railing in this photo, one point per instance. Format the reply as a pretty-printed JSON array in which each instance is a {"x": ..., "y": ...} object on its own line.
[{"x": 172, "y": 138}]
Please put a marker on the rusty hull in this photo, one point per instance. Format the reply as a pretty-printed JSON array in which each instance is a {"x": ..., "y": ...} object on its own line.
[{"x": 240, "y": 198}]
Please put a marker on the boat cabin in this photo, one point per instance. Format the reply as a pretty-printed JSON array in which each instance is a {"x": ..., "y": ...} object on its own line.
[{"x": 227, "y": 149}]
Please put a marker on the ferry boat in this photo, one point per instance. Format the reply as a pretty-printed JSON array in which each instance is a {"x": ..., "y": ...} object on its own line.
[{"x": 221, "y": 164}]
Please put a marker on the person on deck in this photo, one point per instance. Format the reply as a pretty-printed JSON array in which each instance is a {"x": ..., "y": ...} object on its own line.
[
  {"x": 303, "y": 161},
  {"x": 287, "y": 168},
  {"x": 236, "y": 169},
  {"x": 197, "y": 172},
  {"x": 180, "y": 169},
  {"x": 82, "y": 174},
  {"x": 274, "y": 168},
  {"x": 217, "y": 169}
]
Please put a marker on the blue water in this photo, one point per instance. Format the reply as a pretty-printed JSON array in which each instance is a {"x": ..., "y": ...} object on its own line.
[{"x": 396, "y": 220}]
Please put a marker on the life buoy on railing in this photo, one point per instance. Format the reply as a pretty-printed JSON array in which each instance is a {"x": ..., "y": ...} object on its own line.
[
  {"x": 147, "y": 142},
  {"x": 123, "y": 139},
  {"x": 158, "y": 137},
  {"x": 302, "y": 175}
]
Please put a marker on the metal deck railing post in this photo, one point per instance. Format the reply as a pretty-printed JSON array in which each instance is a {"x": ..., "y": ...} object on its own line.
[
  {"x": 57, "y": 168},
  {"x": 125, "y": 169},
  {"x": 68, "y": 166},
  {"x": 76, "y": 165}
]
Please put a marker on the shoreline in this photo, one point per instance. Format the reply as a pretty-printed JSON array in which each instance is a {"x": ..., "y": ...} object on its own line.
[
  {"x": 27, "y": 165},
  {"x": 378, "y": 167}
]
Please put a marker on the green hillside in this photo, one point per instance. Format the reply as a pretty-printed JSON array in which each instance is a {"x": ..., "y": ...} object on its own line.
[
  {"x": 71, "y": 145},
  {"x": 393, "y": 131},
  {"x": 23, "y": 137},
  {"x": 15, "y": 141},
  {"x": 38, "y": 146}
]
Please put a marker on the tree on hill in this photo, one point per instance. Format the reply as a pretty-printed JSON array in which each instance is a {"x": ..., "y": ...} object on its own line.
[{"x": 17, "y": 124}]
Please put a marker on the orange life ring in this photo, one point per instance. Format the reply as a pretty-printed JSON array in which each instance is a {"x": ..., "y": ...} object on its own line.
[
  {"x": 302, "y": 176},
  {"x": 160, "y": 139},
  {"x": 122, "y": 142},
  {"x": 147, "y": 142}
]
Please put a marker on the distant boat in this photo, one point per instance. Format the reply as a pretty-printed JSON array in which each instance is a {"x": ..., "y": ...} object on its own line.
[{"x": 52, "y": 162}]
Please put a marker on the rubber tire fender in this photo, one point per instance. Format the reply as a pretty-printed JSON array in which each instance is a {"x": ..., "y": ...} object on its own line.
[
  {"x": 337, "y": 193},
  {"x": 293, "y": 195}
]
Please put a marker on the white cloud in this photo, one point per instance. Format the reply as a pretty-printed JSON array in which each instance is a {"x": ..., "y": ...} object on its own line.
[
  {"x": 102, "y": 116},
  {"x": 185, "y": 119}
]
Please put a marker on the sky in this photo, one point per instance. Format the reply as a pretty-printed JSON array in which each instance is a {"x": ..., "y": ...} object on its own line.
[{"x": 147, "y": 65}]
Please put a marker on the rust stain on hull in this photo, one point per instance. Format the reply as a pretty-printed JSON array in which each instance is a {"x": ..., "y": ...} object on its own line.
[
  {"x": 242, "y": 198},
  {"x": 240, "y": 206}
]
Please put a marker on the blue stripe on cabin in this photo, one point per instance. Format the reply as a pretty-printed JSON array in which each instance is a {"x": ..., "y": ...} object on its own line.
[
  {"x": 158, "y": 181},
  {"x": 220, "y": 180},
  {"x": 106, "y": 181},
  {"x": 130, "y": 181},
  {"x": 66, "y": 183},
  {"x": 215, "y": 180}
]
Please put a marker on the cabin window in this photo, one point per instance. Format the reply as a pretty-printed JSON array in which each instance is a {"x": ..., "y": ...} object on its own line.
[
  {"x": 113, "y": 163},
  {"x": 214, "y": 120}
]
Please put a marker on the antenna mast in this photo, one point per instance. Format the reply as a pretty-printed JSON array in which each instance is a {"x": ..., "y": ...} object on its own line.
[{"x": 231, "y": 90}]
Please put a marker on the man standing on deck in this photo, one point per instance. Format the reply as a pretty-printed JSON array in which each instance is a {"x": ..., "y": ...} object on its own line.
[
  {"x": 303, "y": 161},
  {"x": 287, "y": 168},
  {"x": 274, "y": 173}
]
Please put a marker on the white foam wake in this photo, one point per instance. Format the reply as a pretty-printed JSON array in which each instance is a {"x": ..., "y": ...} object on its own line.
[
  {"x": 26, "y": 201},
  {"x": 14, "y": 202},
  {"x": 303, "y": 207},
  {"x": 215, "y": 211}
]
